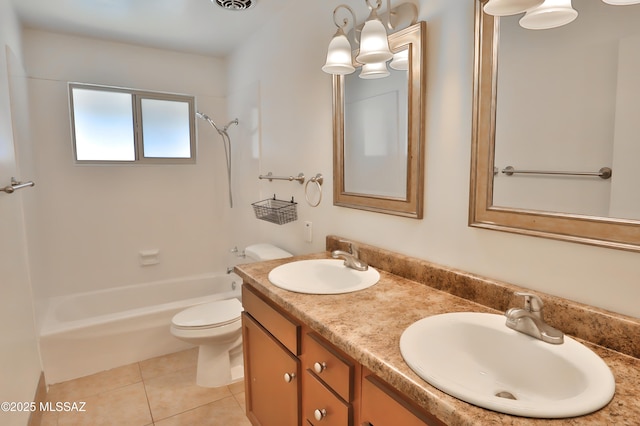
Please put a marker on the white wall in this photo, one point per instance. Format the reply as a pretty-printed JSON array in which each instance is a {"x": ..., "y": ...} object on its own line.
[
  {"x": 92, "y": 221},
  {"x": 295, "y": 105},
  {"x": 19, "y": 358}
]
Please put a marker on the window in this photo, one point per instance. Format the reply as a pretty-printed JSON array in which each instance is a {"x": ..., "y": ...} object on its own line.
[{"x": 117, "y": 125}]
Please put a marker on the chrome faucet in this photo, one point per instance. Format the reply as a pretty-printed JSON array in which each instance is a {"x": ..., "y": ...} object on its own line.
[
  {"x": 351, "y": 258},
  {"x": 528, "y": 320}
]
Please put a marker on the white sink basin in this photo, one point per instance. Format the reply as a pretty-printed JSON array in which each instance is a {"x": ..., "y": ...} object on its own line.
[
  {"x": 476, "y": 358},
  {"x": 322, "y": 276}
]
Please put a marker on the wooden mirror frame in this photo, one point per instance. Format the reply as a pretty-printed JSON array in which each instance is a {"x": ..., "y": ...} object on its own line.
[
  {"x": 415, "y": 38},
  {"x": 600, "y": 231}
]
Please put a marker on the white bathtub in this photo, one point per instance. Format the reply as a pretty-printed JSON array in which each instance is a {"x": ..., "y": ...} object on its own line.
[{"x": 86, "y": 333}]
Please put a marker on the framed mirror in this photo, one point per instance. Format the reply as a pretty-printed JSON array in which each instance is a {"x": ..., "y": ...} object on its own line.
[
  {"x": 526, "y": 118},
  {"x": 378, "y": 134}
]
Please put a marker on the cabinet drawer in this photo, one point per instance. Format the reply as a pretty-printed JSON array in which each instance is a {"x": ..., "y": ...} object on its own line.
[
  {"x": 331, "y": 367},
  {"x": 280, "y": 326},
  {"x": 319, "y": 402},
  {"x": 382, "y": 405}
]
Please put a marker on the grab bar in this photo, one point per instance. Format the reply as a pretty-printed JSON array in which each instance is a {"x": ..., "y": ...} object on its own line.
[
  {"x": 9, "y": 189},
  {"x": 270, "y": 176},
  {"x": 604, "y": 172}
]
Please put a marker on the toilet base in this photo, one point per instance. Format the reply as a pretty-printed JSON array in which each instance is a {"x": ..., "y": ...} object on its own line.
[{"x": 219, "y": 366}]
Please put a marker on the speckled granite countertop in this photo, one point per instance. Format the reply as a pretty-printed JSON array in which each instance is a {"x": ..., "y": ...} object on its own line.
[{"x": 367, "y": 325}]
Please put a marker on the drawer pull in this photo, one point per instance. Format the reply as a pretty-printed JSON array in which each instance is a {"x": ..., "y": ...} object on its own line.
[
  {"x": 319, "y": 367},
  {"x": 288, "y": 377},
  {"x": 320, "y": 414}
]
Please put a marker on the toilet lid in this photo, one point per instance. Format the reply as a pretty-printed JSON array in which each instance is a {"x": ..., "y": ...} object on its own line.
[{"x": 212, "y": 314}]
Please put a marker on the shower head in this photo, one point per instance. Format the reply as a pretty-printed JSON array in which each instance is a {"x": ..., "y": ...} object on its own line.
[
  {"x": 226, "y": 140},
  {"x": 221, "y": 131},
  {"x": 208, "y": 119}
]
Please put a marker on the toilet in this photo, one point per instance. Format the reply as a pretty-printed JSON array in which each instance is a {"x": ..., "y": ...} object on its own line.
[{"x": 217, "y": 329}]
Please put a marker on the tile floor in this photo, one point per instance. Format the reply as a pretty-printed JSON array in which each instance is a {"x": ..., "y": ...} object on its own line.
[{"x": 159, "y": 391}]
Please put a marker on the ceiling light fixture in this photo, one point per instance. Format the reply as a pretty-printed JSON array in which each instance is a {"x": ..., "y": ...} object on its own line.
[{"x": 374, "y": 49}]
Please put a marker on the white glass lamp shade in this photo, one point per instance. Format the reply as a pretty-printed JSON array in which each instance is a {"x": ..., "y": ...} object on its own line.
[
  {"x": 374, "y": 45},
  {"x": 509, "y": 7},
  {"x": 551, "y": 14},
  {"x": 376, "y": 70},
  {"x": 621, "y": 2},
  {"x": 339, "y": 55},
  {"x": 400, "y": 60}
]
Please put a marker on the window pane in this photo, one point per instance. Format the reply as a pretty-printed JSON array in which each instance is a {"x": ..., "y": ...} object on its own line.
[
  {"x": 165, "y": 126},
  {"x": 103, "y": 125}
]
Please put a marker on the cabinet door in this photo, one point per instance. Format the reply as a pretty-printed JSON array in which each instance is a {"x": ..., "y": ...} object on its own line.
[
  {"x": 384, "y": 406},
  {"x": 272, "y": 377}
]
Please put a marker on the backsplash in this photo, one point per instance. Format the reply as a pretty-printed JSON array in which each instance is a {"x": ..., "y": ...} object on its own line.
[{"x": 592, "y": 324}]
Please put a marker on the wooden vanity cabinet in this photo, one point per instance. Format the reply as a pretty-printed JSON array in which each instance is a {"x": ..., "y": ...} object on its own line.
[
  {"x": 322, "y": 406},
  {"x": 328, "y": 383},
  {"x": 272, "y": 370},
  {"x": 293, "y": 377},
  {"x": 382, "y": 405}
]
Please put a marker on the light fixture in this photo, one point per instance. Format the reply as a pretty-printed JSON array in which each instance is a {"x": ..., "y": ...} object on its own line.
[
  {"x": 375, "y": 70},
  {"x": 400, "y": 60},
  {"x": 541, "y": 14},
  {"x": 374, "y": 43},
  {"x": 550, "y": 14},
  {"x": 339, "y": 55},
  {"x": 621, "y": 2},
  {"x": 509, "y": 7}
]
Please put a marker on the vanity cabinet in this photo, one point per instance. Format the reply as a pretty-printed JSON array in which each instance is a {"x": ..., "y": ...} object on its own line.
[
  {"x": 294, "y": 376},
  {"x": 328, "y": 383},
  {"x": 272, "y": 369},
  {"x": 322, "y": 406},
  {"x": 382, "y": 405}
]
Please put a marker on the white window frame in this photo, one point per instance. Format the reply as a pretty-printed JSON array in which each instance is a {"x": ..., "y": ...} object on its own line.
[{"x": 136, "y": 111}]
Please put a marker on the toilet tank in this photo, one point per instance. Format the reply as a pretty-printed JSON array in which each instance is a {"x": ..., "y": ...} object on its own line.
[{"x": 265, "y": 251}]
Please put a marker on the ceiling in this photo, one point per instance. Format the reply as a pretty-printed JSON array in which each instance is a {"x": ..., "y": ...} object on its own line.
[{"x": 196, "y": 26}]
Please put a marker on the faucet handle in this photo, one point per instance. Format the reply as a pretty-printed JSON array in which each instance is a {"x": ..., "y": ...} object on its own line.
[{"x": 532, "y": 303}]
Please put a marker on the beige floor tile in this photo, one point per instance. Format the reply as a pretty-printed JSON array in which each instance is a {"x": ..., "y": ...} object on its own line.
[
  {"x": 225, "y": 412},
  {"x": 237, "y": 387},
  {"x": 80, "y": 389},
  {"x": 125, "y": 406},
  {"x": 170, "y": 363},
  {"x": 240, "y": 397},
  {"x": 175, "y": 393}
]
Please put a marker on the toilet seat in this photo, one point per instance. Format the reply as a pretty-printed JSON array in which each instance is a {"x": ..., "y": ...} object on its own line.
[{"x": 209, "y": 315}]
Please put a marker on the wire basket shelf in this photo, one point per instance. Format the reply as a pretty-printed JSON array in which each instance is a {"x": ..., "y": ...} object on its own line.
[{"x": 276, "y": 211}]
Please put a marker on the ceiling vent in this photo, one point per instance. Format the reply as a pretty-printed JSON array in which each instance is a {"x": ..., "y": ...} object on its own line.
[{"x": 235, "y": 4}]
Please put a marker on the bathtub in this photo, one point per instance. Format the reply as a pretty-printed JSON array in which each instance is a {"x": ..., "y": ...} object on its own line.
[{"x": 86, "y": 333}]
